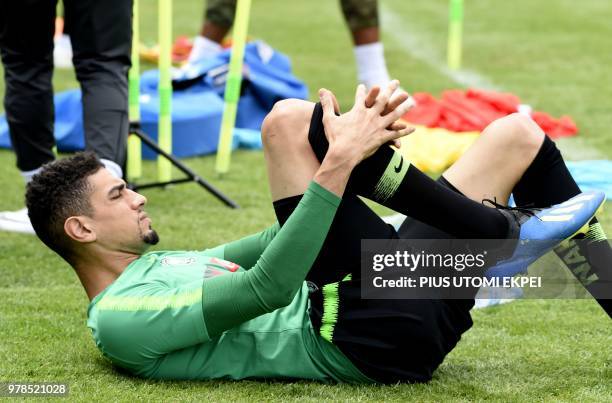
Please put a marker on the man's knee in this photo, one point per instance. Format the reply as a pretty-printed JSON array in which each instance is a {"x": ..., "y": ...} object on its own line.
[
  {"x": 287, "y": 124},
  {"x": 518, "y": 131}
]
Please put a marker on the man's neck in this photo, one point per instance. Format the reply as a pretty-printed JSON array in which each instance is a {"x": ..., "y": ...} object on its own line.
[{"x": 99, "y": 271}]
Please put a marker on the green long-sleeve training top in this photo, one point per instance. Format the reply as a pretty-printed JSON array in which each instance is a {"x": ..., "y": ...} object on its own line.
[{"x": 236, "y": 311}]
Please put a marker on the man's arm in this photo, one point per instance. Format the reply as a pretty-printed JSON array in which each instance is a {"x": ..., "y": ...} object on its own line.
[
  {"x": 235, "y": 298},
  {"x": 245, "y": 251}
]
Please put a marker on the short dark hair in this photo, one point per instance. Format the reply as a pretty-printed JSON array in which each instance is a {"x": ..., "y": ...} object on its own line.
[{"x": 61, "y": 190}]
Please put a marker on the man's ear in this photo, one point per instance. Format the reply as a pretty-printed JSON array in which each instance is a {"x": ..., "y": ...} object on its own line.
[{"x": 79, "y": 229}]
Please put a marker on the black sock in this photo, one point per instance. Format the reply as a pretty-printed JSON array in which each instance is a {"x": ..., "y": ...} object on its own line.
[
  {"x": 389, "y": 179},
  {"x": 547, "y": 181}
]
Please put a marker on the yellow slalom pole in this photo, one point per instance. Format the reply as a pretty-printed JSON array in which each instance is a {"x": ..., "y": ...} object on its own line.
[
  {"x": 164, "y": 132},
  {"x": 232, "y": 87},
  {"x": 134, "y": 154},
  {"x": 455, "y": 28}
]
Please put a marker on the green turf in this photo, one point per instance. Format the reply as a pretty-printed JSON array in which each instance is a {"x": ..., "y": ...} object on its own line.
[{"x": 554, "y": 54}]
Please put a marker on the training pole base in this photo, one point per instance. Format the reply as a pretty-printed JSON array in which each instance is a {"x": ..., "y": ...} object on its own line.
[{"x": 135, "y": 130}]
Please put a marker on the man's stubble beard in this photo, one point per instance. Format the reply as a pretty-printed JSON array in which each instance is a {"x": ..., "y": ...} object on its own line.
[{"x": 150, "y": 237}]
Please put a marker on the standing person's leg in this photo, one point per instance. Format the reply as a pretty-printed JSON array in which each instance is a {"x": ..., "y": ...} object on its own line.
[
  {"x": 361, "y": 16},
  {"x": 26, "y": 47},
  {"x": 102, "y": 41},
  {"x": 62, "y": 51},
  {"x": 218, "y": 20}
]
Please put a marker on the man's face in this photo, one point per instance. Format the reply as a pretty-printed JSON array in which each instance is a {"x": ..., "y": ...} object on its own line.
[{"x": 118, "y": 219}]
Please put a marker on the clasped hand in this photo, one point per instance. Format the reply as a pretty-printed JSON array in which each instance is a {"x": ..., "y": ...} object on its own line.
[{"x": 371, "y": 122}]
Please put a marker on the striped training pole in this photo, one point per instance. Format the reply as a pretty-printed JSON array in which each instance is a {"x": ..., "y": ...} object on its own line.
[
  {"x": 455, "y": 28},
  {"x": 232, "y": 86},
  {"x": 164, "y": 132},
  {"x": 134, "y": 153}
]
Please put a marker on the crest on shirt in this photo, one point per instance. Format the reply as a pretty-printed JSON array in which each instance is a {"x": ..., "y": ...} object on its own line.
[{"x": 178, "y": 260}]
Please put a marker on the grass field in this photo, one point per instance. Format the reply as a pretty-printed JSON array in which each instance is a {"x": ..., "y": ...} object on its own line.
[{"x": 554, "y": 54}]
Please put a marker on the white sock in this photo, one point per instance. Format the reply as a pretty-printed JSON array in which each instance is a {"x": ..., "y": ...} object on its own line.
[
  {"x": 113, "y": 167},
  {"x": 63, "y": 41},
  {"x": 371, "y": 66},
  {"x": 27, "y": 175},
  {"x": 62, "y": 51},
  {"x": 203, "y": 48}
]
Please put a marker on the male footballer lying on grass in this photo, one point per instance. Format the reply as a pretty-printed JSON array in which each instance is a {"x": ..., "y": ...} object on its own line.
[{"x": 285, "y": 303}]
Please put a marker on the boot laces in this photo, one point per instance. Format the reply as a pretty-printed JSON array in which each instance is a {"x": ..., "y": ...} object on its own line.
[{"x": 527, "y": 209}]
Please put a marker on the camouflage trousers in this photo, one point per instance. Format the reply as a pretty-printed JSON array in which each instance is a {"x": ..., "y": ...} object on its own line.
[{"x": 357, "y": 13}]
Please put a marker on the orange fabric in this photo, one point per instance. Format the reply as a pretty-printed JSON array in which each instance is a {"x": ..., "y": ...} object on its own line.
[
  {"x": 555, "y": 128},
  {"x": 473, "y": 110},
  {"x": 502, "y": 101},
  {"x": 427, "y": 111}
]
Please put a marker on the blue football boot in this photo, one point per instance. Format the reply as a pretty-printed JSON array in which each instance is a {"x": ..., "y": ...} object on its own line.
[{"x": 537, "y": 231}]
